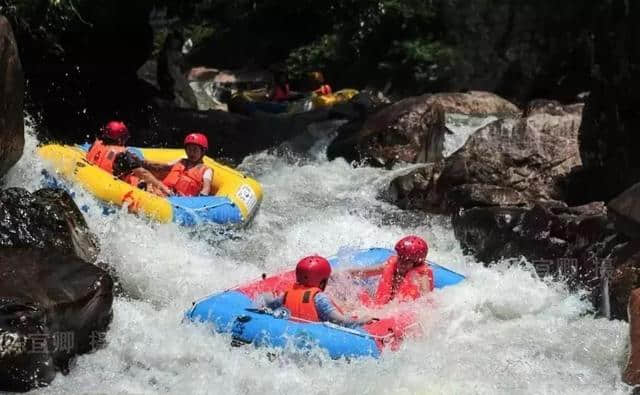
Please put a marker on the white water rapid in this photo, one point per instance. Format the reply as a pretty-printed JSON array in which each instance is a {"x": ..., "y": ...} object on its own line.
[{"x": 502, "y": 331}]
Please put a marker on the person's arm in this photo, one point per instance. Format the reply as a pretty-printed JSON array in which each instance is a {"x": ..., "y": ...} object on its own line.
[
  {"x": 424, "y": 282},
  {"x": 270, "y": 300},
  {"x": 206, "y": 182},
  {"x": 156, "y": 167},
  {"x": 327, "y": 311},
  {"x": 364, "y": 272},
  {"x": 146, "y": 176},
  {"x": 340, "y": 319}
]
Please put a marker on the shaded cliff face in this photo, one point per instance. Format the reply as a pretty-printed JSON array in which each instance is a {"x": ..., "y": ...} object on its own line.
[
  {"x": 519, "y": 50},
  {"x": 80, "y": 61},
  {"x": 609, "y": 139},
  {"x": 11, "y": 99}
]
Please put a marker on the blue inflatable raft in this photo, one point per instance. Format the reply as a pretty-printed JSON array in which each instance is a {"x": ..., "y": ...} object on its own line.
[{"x": 233, "y": 312}]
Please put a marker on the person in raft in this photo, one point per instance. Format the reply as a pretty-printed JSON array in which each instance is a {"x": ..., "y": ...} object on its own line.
[
  {"x": 109, "y": 153},
  {"x": 405, "y": 276},
  {"x": 188, "y": 176},
  {"x": 318, "y": 84},
  {"x": 280, "y": 91},
  {"x": 306, "y": 300}
]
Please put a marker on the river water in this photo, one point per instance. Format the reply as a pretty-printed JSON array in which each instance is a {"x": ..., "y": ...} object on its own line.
[{"x": 502, "y": 331}]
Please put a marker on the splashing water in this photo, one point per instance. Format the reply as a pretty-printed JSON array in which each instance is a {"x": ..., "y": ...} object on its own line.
[{"x": 502, "y": 331}]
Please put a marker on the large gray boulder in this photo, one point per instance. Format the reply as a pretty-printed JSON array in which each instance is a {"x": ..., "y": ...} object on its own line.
[
  {"x": 410, "y": 130},
  {"x": 476, "y": 103},
  {"x": 511, "y": 161},
  {"x": 54, "y": 304}
]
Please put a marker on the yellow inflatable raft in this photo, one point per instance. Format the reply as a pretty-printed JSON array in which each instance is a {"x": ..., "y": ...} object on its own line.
[
  {"x": 341, "y": 96},
  {"x": 235, "y": 198}
]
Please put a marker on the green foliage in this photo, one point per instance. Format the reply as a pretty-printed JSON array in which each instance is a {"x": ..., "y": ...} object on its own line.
[
  {"x": 354, "y": 42},
  {"x": 198, "y": 33},
  {"x": 378, "y": 42},
  {"x": 322, "y": 54},
  {"x": 51, "y": 13},
  {"x": 427, "y": 63}
]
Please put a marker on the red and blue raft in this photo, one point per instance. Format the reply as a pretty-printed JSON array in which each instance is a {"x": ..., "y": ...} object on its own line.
[{"x": 234, "y": 311}]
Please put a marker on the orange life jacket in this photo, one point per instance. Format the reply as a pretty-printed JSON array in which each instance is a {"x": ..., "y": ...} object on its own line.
[
  {"x": 185, "y": 182},
  {"x": 408, "y": 289},
  {"x": 103, "y": 155},
  {"x": 324, "y": 90},
  {"x": 299, "y": 301}
]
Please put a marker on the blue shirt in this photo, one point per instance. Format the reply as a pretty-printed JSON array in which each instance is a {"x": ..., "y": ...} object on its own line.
[{"x": 324, "y": 306}]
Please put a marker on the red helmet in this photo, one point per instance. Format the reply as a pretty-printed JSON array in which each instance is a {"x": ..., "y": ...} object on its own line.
[
  {"x": 313, "y": 271},
  {"x": 412, "y": 248},
  {"x": 197, "y": 139},
  {"x": 116, "y": 130}
]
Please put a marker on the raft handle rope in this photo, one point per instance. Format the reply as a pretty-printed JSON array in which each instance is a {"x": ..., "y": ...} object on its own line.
[{"x": 328, "y": 324}]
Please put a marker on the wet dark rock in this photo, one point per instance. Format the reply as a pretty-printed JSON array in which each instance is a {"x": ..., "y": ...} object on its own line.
[
  {"x": 574, "y": 242},
  {"x": 624, "y": 276},
  {"x": 148, "y": 73},
  {"x": 11, "y": 99},
  {"x": 417, "y": 189},
  {"x": 410, "y": 130},
  {"x": 631, "y": 373},
  {"x": 356, "y": 111},
  {"x": 510, "y": 161},
  {"x": 171, "y": 72},
  {"x": 46, "y": 219},
  {"x": 609, "y": 138},
  {"x": 624, "y": 210},
  {"x": 546, "y": 231},
  {"x": 53, "y": 306}
]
